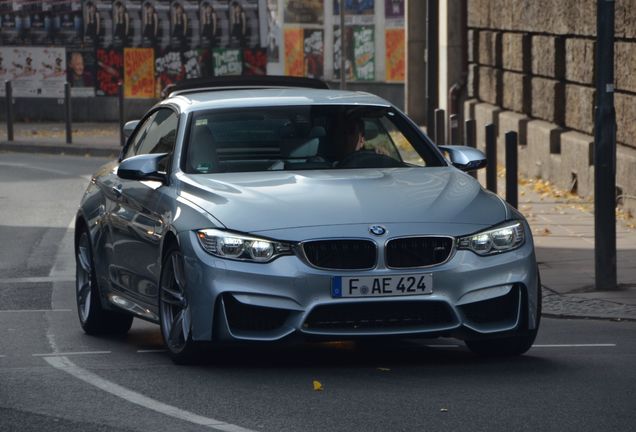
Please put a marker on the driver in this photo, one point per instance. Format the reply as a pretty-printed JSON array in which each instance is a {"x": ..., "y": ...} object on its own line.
[{"x": 354, "y": 136}]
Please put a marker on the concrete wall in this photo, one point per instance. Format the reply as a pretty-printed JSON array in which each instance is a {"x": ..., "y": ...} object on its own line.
[{"x": 534, "y": 60}]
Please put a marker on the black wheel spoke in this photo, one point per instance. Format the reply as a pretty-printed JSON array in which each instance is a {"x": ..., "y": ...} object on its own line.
[
  {"x": 83, "y": 292},
  {"x": 84, "y": 259},
  {"x": 176, "y": 330},
  {"x": 177, "y": 268}
]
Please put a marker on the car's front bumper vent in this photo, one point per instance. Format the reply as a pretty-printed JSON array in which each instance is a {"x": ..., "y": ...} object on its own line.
[
  {"x": 418, "y": 251},
  {"x": 381, "y": 315},
  {"x": 341, "y": 254}
]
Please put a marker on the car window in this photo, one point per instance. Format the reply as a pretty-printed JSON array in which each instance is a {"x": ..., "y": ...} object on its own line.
[
  {"x": 139, "y": 136},
  {"x": 161, "y": 134},
  {"x": 304, "y": 137}
]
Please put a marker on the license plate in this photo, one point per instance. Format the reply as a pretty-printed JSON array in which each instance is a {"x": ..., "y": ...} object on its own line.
[{"x": 380, "y": 286}]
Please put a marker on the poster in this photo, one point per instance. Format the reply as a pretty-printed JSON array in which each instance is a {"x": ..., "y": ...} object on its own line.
[
  {"x": 255, "y": 61},
  {"x": 81, "y": 66},
  {"x": 6, "y": 59},
  {"x": 184, "y": 24},
  {"x": 314, "y": 53},
  {"x": 134, "y": 9},
  {"x": 364, "y": 53},
  {"x": 394, "y": 9},
  {"x": 110, "y": 68},
  {"x": 395, "y": 49},
  {"x": 243, "y": 20},
  {"x": 274, "y": 33},
  {"x": 8, "y": 30},
  {"x": 210, "y": 23},
  {"x": 355, "y": 7},
  {"x": 304, "y": 12},
  {"x": 98, "y": 23},
  {"x": 34, "y": 13},
  {"x": 35, "y": 71},
  {"x": 222, "y": 11},
  {"x": 155, "y": 23},
  {"x": 227, "y": 61},
  {"x": 197, "y": 63},
  {"x": 122, "y": 24},
  {"x": 65, "y": 22},
  {"x": 139, "y": 73},
  {"x": 169, "y": 69},
  {"x": 294, "y": 52},
  {"x": 337, "y": 49}
]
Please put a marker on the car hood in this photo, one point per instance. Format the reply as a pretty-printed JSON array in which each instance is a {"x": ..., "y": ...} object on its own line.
[{"x": 266, "y": 201}]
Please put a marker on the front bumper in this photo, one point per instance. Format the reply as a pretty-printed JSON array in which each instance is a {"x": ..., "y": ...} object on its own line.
[{"x": 473, "y": 296}]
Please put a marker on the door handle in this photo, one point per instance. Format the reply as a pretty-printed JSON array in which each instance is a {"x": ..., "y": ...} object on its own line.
[{"x": 117, "y": 190}]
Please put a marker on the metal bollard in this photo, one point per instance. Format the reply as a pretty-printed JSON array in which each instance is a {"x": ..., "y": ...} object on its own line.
[
  {"x": 512, "y": 193},
  {"x": 440, "y": 127},
  {"x": 470, "y": 127},
  {"x": 491, "y": 157},
  {"x": 122, "y": 139},
  {"x": 8, "y": 95},
  {"x": 453, "y": 129},
  {"x": 68, "y": 113}
]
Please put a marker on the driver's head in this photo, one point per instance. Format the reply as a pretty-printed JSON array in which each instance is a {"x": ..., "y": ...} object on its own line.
[{"x": 354, "y": 135}]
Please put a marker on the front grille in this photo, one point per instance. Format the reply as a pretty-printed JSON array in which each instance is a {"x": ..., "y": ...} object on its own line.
[
  {"x": 341, "y": 254},
  {"x": 380, "y": 315},
  {"x": 418, "y": 251},
  {"x": 244, "y": 317}
]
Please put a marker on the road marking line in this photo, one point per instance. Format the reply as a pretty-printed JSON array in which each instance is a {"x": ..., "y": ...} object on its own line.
[
  {"x": 76, "y": 353},
  {"x": 1, "y": 356},
  {"x": 39, "y": 279},
  {"x": 64, "y": 364},
  {"x": 35, "y": 310},
  {"x": 573, "y": 345},
  {"x": 146, "y": 351}
]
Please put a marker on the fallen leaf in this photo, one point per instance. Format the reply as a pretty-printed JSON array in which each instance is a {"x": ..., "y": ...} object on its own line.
[
  {"x": 318, "y": 386},
  {"x": 546, "y": 231}
]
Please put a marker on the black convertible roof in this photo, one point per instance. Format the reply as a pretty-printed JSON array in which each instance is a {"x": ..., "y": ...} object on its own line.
[{"x": 237, "y": 82}]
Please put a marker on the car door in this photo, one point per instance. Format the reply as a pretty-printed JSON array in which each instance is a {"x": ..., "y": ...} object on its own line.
[{"x": 137, "y": 221}]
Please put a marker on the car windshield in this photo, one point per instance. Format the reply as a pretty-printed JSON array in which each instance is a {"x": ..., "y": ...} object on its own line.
[{"x": 304, "y": 138}]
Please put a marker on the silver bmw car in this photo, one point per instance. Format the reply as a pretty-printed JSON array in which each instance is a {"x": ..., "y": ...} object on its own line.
[{"x": 270, "y": 209}]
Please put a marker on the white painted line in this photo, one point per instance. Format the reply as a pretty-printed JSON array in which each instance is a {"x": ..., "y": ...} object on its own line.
[
  {"x": 39, "y": 279},
  {"x": 443, "y": 346},
  {"x": 64, "y": 364},
  {"x": 2, "y": 356},
  {"x": 573, "y": 345},
  {"x": 76, "y": 353},
  {"x": 146, "y": 351},
  {"x": 35, "y": 310}
]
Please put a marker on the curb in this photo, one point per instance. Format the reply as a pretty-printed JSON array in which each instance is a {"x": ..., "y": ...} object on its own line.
[{"x": 69, "y": 149}]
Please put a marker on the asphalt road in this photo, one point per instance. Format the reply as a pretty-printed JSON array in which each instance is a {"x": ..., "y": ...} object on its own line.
[{"x": 580, "y": 376}]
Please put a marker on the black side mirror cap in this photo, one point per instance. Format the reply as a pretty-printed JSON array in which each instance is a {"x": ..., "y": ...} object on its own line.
[{"x": 143, "y": 167}]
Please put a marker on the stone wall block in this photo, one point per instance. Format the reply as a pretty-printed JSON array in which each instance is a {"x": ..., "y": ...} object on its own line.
[
  {"x": 478, "y": 13},
  {"x": 577, "y": 157},
  {"x": 543, "y": 140},
  {"x": 511, "y": 121},
  {"x": 625, "y": 178},
  {"x": 516, "y": 52},
  {"x": 516, "y": 92},
  {"x": 579, "y": 107},
  {"x": 580, "y": 57},
  {"x": 625, "y": 66},
  {"x": 578, "y": 16},
  {"x": 625, "y": 19},
  {"x": 484, "y": 115},
  {"x": 490, "y": 85},
  {"x": 548, "y": 100},
  {"x": 548, "y": 56},
  {"x": 472, "y": 85},
  {"x": 473, "y": 45},
  {"x": 626, "y": 119},
  {"x": 489, "y": 48}
]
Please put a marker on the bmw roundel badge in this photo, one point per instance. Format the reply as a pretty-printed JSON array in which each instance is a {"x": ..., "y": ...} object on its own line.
[{"x": 377, "y": 230}]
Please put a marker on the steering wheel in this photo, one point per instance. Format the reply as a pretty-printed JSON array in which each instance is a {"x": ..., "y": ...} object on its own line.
[{"x": 368, "y": 159}]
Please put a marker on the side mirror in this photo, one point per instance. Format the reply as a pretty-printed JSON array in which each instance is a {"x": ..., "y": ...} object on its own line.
[
  {"x": 465, "y": 158},
  {"x": 143, "y": 167},
  {"x": 130, "y": 127}
]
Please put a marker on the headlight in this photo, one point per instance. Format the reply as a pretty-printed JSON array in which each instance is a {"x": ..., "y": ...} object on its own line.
[
  {"x": 493, "y": 241},
  {"x": 231, "y": 245}
]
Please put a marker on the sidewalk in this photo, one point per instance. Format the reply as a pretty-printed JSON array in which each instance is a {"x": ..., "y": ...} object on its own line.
[{"x": 562, "y": 226}]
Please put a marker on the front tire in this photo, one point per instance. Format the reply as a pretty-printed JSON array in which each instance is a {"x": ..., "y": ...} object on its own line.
[
  {"x": 174, "y": 315},
  {"x": 94, "y": 319}
]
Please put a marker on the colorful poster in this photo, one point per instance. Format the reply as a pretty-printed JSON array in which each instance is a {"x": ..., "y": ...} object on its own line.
[
  {"x": 210, "y": 23},
  {"x": 243, "y": 20},
  {"x": 364, "y": 53},
  {"x": 8, "y": 29},
  {"x": 169, "y": 69},
  {"x": 222, "y": 10},
  {"x": 274, "y": 33},
  {"x": 98, "y": 23},
  {"x": 294, "y": 52},
  {"x": 134, "y": 9},
  {"x": 337, "y": 49},
  {"x": 393, "y": 9},
  {"x": 395, "y": 49},
  {"x": 155, "y": 23},
  {"x": 355, "y": 7},
  {"x": 139, "y": 77},
  {"x": 110, "y": 69},
  {"x": 122, "y": 24},
  {"x": 304, "y": 12},
  {"x": 65, "y": 22},
  {"x": 184, "y": 24},
  {"x": 227, "y": 61},
  {"x": 35, "y": 71},
  {"x": 314, "y": 53},
  {"x": 197, "y": 63},
  {"x": 255, "y": 61},
  {"x": 80, "y": 75}
]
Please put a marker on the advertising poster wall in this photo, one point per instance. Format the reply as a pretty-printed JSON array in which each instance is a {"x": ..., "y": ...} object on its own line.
[
  {"x": 65, "y": 23},
  {"x": 184, "y": 24},
  {"x": 395, "y": 49},
  {"x": 314, "y": 53},
  {"x": 98, "y": 23},
  {"x": 155, "y": 23},
  {"x": 274, "y": 33},
  {"x": 81, "y": 66},
  {"x": 337, "y": 49},
  {"x": 139, "y": 77},
  {"x": 255, "y": 61},
  {"x": 8, "y": 31},
  {"x": 294, "y": 52},
  {"x": 35, "y": 71},
  {"x": 227, "y": 61},
  {"x": 304, "y": 12},
  {"x": 364, "y": 53},
  {"x": 33, "y": 13},
  {"x": 243, "y": 20},
  {"x": 110, "y": 69},
  {"x": 355, "y": 7}
]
